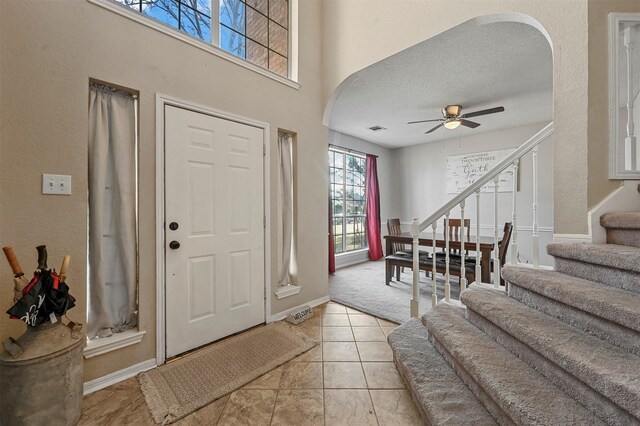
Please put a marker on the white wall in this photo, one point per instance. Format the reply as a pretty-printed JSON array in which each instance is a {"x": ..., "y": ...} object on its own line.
[
  {"x": 389, "y": 199},
  {"x": 421, "y": 173}
]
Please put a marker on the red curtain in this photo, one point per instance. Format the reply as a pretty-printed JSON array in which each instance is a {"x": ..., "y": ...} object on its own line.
[
  {"x": 332, "y": 257},
  {"x": 373, "y": 209}
]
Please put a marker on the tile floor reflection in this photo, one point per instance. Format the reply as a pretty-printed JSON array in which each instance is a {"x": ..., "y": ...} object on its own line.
[{"x": 348, "y": 379}]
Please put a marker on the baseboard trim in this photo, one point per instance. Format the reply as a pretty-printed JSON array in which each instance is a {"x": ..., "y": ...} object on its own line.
[
  {"x": 572, "y": 238},
  {"x": 520, "y": 228},
  {"x": 118, "y": 376},
  {"x": 282, "y": 315}
]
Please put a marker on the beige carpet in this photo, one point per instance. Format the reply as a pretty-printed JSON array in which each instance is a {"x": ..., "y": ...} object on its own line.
[{"x": 179, "y": 388}]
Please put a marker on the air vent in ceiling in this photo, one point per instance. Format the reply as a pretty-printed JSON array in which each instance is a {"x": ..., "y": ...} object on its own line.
[{"x": 377, "y": 128}]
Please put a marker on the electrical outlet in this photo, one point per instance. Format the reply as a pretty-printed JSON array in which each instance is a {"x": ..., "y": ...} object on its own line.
[{"x": 56, "y": 184}]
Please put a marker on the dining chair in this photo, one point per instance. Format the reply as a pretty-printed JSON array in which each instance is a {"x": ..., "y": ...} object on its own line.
[
  {"x": 456, "y": 231},
  {"x": 400, "y": 249},
  {"x": 394, "y": 228},
  {"x": 502, "y": 250}
]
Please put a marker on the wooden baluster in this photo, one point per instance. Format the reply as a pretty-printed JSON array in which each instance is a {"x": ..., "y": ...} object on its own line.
[
  {"x": 415, "y": 300},
  {"x": 447, "y": 288},
  {"x": 535, "y": 238},
  {"x": 478, "y": 253},
  {"x": 463, "y": 235},
  {"x": 514, "y": 234},
  {"x": 496, "y": 245},
  {"x": 434, "y": 295}
]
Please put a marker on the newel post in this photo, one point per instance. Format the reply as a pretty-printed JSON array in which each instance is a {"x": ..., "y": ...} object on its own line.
[{"x": 415, "y": 299}]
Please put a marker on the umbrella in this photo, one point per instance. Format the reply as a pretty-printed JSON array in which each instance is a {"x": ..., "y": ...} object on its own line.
[
  {"x": 59, "y": 301},
  {"x": 19, "y": 280},
  {"x": 45, "y": 297}
]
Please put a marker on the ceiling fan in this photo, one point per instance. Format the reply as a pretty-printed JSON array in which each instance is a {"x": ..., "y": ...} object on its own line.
[{"x": 452, "y": 117}]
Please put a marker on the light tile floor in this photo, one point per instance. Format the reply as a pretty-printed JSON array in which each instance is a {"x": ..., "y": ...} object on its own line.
[{"x": 348, "y": 379}]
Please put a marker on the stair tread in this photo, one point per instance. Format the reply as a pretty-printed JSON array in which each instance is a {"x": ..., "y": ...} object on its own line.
[
  {"x": 517, "y": 388},
  {"x": 440, "y": 393},
  {"x": 621, "y": 220},
  {"x": 608, "y": 369},
  {"x": 610, "y": 255},
  {"x": 614, "y": 304}
]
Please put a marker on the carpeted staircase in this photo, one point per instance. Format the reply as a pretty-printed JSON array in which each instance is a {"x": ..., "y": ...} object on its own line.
[{"x": 561, "y": 348}]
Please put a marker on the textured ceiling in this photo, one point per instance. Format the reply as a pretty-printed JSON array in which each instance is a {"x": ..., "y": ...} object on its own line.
[{"x": 474, "y": 65}]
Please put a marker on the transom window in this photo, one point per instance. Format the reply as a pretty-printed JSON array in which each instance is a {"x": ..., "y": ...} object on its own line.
[
  {"x": 347, "y": 173},
  {"x": 255, "y": 30}
]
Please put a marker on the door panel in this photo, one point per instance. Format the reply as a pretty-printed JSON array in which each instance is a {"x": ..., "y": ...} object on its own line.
[{"x": 214, "y": 191}]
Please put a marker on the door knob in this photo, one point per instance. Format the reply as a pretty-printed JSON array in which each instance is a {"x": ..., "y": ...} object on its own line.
[
  {"x": 174, "y": 245},
  {"x": 173, "y": 226}
]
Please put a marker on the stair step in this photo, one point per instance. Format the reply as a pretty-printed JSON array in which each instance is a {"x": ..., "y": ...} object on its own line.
[
  {"x": 621, "y": 220},
  {"x": 441, "y": 397},
  {"x": 512, "y": 391},
  {"x": 603, "y": 377},
  {"x": 622, "y": 228},
  {"x": 610, "y": 264},
  {"x": 609, "y": 313}
]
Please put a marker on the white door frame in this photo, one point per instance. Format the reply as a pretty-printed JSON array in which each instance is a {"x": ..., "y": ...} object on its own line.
[{"x": 161, "y": 102}]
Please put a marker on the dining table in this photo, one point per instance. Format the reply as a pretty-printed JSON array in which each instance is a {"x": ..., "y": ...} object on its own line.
[{"x": 487, "y": 244}]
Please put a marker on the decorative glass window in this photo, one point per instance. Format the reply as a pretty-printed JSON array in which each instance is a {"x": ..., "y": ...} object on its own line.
[
  {"x": 347, "y": 173},
  {"x": 255, "y": 30}
]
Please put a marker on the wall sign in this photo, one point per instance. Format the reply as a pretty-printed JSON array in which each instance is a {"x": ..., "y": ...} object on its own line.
[{"x": 463, "y": 170}]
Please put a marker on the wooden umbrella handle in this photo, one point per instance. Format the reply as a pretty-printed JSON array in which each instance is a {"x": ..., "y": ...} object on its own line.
[
  {"x": 13, "y": 261},
  {"x": 42, "y": 257},
  {"x": 64, "y": 267}
]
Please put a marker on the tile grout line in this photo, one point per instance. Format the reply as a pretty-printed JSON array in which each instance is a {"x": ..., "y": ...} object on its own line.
[
  {"x": 275, "y": 402},
  {"x": 223, "y": 408}
]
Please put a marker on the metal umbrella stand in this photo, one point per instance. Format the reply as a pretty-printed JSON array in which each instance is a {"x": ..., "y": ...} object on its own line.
[{"x": 42, "y": 370}]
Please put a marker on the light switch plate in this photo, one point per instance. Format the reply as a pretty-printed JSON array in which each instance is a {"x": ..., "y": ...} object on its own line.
[{"x": 56, "y": 184}]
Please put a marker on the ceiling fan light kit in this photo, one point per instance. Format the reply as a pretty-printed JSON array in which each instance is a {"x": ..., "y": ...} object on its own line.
[{"x": 452, "y": 124}]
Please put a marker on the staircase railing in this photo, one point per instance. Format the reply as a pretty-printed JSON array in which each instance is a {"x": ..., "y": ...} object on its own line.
[{"x": 459, "y": 200}]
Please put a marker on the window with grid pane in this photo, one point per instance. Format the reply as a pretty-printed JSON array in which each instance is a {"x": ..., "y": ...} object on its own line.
[
  {"x": 255, "y": 30},
  {"x": 348, "y": 200}
]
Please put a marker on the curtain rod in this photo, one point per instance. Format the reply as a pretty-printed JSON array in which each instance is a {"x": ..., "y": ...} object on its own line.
[
  {"x": 109, "y": 89},
  {"x": 351, "y": 150}
]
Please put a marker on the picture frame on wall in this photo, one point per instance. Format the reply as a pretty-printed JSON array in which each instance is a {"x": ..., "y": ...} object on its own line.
[{"x": 465, "y": 169}]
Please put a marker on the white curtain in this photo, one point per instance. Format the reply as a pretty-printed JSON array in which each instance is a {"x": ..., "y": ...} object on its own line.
[
  {"x": 112, "y": 213},
  {"x": 285, "y": 141}
]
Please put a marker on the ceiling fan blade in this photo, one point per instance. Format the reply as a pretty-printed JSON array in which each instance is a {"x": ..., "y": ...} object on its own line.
[
  {"x": 425, "y": 121},
  {"x": 483, "y": 112},
  {"x": 435, "y": 128},
  {"x": 467, "y": 123}
]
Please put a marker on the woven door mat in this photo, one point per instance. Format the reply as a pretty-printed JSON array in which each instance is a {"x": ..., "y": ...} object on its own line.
[{"x": 179, "y": 388}]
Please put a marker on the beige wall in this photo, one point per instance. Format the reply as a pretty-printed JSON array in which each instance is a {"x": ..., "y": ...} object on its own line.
[
  {"x": 48, "y": 51},
  {"x": 385, "y": 27},
  {"x": 598, "y": 126}
]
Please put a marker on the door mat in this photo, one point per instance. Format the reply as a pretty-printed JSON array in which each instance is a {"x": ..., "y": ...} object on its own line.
[{"x": 179, "y": 388}]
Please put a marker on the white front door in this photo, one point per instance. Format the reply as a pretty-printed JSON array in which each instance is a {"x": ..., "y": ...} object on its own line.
[{"x": 214, "y": 211}]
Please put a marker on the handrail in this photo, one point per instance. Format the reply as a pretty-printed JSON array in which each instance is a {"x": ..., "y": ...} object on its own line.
[{"x": 496, "y": 170}]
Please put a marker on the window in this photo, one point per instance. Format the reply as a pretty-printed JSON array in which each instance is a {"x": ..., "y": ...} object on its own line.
[
  {"x": 112, "y": 302},
  {"x": 347, "y": 173},
  {"x": 255, "y": 30}
]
